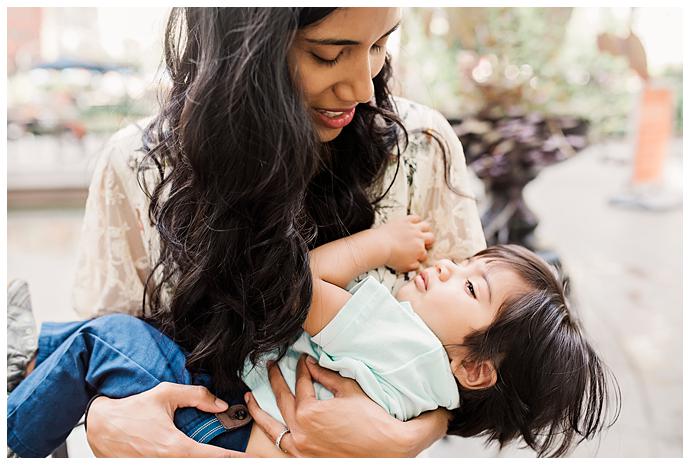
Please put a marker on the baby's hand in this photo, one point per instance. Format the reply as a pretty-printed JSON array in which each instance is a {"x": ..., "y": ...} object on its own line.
[{"x": 408, "y": 238}]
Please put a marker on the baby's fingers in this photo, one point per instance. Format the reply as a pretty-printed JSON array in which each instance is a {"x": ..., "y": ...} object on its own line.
[
  {"x": 414, "y": 266},
  {"x": 422, "y": 257},
  {"x": 428, "y": 239}
]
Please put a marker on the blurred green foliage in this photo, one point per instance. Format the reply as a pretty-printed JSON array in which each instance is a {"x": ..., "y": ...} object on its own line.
[{"x": 503, "y": 61}]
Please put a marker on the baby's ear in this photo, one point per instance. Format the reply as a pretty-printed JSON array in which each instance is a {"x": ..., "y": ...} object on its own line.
[{"x": 474, "y": 375}]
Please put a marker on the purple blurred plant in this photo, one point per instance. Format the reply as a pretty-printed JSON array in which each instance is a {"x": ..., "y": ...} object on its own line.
[
  {"x": 507, "y": 149},
  {"x": 511, "y": 150}
]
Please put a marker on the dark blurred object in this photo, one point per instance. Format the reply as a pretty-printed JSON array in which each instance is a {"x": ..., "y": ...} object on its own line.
[{"x": 506, "y": 152}]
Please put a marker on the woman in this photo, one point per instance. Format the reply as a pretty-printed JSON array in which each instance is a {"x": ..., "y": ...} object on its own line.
[{"x": 278, "y": 135}]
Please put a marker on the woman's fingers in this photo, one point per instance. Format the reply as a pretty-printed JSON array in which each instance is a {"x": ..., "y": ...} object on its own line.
[
  {"x": 284, "y": 397},
  {"x": 304, "y": 386},
  {"x": 180, "y": 395},
  {"x": 329, "y": 379},
  {"x": 428, "y": 239}
]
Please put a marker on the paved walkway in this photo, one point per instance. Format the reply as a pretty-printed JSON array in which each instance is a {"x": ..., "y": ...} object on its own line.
[{"x": 626, "y": 268}]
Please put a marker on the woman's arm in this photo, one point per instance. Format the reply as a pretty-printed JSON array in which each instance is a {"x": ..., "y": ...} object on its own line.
[
  {"x": 349, "y": 425},
  {"x": 113, "y": 258}
]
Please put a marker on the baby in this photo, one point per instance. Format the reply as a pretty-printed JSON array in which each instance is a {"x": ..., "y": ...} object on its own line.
[{"x": 490, "y": 338}]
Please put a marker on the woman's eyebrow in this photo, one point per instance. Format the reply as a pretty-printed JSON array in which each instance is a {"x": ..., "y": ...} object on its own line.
[{"x": 347, "y": 41}]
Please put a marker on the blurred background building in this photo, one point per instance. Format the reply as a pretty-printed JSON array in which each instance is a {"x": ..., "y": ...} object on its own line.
[{"x": 571, "y": 120}]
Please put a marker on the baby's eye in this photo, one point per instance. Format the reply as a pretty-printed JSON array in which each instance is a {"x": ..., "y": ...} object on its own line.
[{"x": 471, "y": 288}]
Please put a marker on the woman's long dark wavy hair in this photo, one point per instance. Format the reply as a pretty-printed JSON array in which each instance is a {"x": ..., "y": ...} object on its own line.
[
  {"x": 552, "y": 388},
  {"x": 245, "y": 188}
]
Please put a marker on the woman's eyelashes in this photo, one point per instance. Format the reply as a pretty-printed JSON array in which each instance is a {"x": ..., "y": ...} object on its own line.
[
  {"x": 374, "y": 48},
  {"x": 377, "y": 48},
  {"x": 470, "y": 287},
  {"x": 323, "y": 61}
]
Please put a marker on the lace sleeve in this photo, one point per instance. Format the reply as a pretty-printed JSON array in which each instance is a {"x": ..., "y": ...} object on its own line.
[
  {"x": 113, "y": 261},
  {"x": 455, "y": 218}
]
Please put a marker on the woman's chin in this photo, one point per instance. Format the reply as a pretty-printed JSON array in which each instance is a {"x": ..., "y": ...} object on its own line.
[{"x": 328, "y": 134}]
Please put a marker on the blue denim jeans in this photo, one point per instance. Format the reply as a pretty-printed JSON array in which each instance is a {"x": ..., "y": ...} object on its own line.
[{"x": 117, "y": 356}]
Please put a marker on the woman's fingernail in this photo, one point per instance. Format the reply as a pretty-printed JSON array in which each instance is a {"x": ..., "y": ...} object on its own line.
[
  {"x": 246, "y": 397},
  {"x": 311, "y": 360},
  {"x": 221, "y": 403}
]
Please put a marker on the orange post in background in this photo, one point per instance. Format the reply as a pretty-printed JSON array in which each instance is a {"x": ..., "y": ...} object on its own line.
[{"x": 653, "y": 134}]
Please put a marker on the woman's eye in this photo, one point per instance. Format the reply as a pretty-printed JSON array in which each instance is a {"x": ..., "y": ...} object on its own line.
[
  {"x": 326, "y": 62},
  {"x": 471, "y": 288}
]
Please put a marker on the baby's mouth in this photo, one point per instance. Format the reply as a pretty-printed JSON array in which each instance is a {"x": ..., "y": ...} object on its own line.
[{"x": 421, "y": 282}]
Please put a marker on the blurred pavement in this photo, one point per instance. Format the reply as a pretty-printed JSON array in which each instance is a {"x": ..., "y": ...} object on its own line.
[{"x": 625, "y": 266}]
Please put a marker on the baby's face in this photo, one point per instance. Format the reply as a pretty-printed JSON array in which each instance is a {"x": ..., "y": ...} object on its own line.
[{"x": 455, "y": 300}]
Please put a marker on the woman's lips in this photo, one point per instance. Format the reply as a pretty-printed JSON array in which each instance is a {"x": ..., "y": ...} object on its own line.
[{"x": 335, "y": 119}]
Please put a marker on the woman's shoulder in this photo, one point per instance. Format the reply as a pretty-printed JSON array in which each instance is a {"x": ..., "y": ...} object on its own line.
[
  {"x": 124, "y": 149},
  {"x": 119, "y": 162},
  {"x": 428, "y": 131},
  {"x": 416, "y": 116}
]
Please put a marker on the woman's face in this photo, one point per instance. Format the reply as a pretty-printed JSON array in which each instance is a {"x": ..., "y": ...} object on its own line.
[{"x": 336, "y": 60}]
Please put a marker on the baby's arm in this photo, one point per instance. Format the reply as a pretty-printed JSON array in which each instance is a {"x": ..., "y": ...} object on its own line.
[{"x": 400, "y": 244}]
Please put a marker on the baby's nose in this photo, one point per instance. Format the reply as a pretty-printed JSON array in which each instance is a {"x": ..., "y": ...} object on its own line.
[{"x": 443, "y": 269}]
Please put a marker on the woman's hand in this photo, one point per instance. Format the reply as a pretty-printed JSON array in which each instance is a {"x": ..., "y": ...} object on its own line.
[
  {"x": 349, "y": 425},
  {"x": 142, "y": 425},
  {"x": 408, "y": 239}
]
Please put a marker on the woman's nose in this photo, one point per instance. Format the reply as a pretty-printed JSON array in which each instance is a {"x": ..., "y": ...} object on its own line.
[{"x": 358, "y": 85}]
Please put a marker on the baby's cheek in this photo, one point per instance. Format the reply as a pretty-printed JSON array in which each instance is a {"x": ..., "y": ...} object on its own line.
[{"x": 403, "y": 292}]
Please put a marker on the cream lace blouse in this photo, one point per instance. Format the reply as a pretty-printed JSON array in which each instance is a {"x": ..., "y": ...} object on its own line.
[{"x": 119, "y": 245}]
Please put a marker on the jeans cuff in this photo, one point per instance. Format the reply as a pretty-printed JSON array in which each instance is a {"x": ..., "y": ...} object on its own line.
[
  {"x": 205, "y": 430},
  {"x": 18, "y": 447}
]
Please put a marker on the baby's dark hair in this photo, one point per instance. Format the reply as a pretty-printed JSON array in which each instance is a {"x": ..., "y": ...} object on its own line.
[{"x": 551, "y": 385}]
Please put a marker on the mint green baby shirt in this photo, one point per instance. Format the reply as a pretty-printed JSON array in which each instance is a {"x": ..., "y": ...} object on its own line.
[{"x": 380, "y": 343}]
